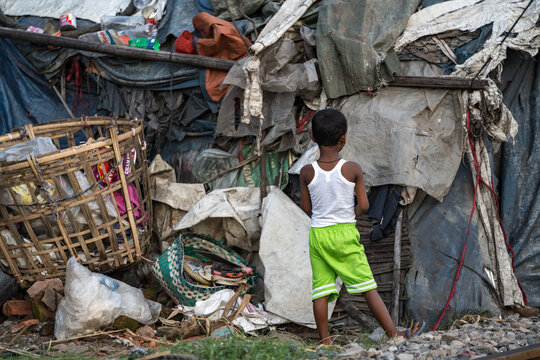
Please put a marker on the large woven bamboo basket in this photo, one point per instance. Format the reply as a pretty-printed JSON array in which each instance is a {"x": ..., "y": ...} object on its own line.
[{"x": 89, "y": 199}]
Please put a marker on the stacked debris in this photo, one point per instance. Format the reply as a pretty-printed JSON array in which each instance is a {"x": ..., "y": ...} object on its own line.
[{"x": 226, "y": 104}]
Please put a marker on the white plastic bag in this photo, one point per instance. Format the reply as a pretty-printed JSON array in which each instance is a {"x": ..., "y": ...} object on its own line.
[{"x": 94, "y": 300}]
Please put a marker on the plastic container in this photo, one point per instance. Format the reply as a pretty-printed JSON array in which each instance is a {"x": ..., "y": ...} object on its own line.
[
  {"x": 144, "y": 43},
  {"x": 144, "y": 31},
  {"x": 105, "y": 37},
  {"x": 121, "y": 22},
  {"x": 68, "y": 22}
]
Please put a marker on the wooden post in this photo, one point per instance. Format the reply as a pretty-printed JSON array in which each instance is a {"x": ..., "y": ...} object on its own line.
[{"x": 394, "y": 311}]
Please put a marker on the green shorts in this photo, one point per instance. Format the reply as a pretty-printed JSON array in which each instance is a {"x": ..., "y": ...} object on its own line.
[{"x": 335, "y": 251}]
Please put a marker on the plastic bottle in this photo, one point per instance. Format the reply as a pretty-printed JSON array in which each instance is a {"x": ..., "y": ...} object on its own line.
[
  {"x": 144, "y": 31},
  {"x": 144, "y": 43},
  {"x": 121, "y": 22},
  {"x": 105, "y": 37}
]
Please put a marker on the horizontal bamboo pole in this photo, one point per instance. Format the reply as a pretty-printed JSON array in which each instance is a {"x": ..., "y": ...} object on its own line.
[{"x": 125, "y": 51}]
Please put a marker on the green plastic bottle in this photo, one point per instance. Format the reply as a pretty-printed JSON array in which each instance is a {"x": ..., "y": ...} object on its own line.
[{"x": 144, "y": 43}]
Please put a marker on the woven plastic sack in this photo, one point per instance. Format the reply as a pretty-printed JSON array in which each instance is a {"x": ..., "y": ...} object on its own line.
[{"x": 169, "y": 268}]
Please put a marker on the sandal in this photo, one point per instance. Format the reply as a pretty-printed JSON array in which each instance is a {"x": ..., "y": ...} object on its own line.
[{"x": 410, "y": 334}]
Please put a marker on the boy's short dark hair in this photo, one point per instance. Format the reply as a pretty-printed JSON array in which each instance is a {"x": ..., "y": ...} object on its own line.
[{"x": 328, "y": 126}]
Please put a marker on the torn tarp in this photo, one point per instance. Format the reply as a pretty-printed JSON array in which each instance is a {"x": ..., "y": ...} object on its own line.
[
  {"x": 281, "y": 80},
  {"x": 232, "y": 214},
  {"x": 437, "y": 232},
  {"x": 354, "y": 43},
  {"x": 406, "y": 136},
  {"x": 171, "y": 200},
  {"x": 520, "y": 175},
  {"x": 471, "y": 15}
]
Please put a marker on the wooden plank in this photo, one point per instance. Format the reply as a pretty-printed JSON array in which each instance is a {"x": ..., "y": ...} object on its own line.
[
  {"x": 439, "y": 82},
  {"x": 394, "y": 311}
]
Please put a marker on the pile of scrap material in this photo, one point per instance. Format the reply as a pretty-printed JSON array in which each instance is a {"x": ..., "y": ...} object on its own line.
[{"x": 227, "y": 91}]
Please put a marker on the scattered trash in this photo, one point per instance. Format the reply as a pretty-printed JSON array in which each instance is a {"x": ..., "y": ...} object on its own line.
[
  {"x": 94, "y": 300},
  {"x": 68, "y": 22},
  {"x": 250, "y": 317}
]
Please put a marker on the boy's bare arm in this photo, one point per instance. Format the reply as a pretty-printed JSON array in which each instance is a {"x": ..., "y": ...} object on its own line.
[
  {"x": 361, "y": 196},
  {"x": 306, "y": 175},
  {"x": 353, "y": 172}
]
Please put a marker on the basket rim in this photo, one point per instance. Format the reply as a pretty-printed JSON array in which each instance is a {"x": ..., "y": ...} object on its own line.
[{"x": 136, "y": 129}]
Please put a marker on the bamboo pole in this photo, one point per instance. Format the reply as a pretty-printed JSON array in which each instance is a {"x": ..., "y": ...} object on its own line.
[
  {"x": 126, "y": 51},
  {"x": 394, "y": 311}
]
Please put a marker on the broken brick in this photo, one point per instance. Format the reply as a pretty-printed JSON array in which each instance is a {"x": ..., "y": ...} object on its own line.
[
  {"x": 40, "y": 286},
  {"x": 41, "y": 311},
  {"x": 22, "y": 324},
  {"x": 51, "y": 298},
  {"x": 17, "y": 308}
]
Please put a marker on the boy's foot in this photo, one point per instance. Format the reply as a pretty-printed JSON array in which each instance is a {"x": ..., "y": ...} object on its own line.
[
  {"x": 327, "y": 341},
  {"x": 416, "y": 328}
]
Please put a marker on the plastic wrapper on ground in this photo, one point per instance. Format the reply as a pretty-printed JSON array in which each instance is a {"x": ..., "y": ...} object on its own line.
[{"x": 94, "y": 300}]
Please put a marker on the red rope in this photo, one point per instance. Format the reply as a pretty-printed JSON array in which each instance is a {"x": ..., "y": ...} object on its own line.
[
  {"x": 492, "y": 189},
  {"x": 76, "y": 69}
]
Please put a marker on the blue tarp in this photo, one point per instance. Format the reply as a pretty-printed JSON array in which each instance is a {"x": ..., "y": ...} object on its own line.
[
  {"x": 437, "y": 232},
  {"x": 152, "y": 75},
  {"x": 520, "y": 176},
  {"x": 26, "y": 96}
]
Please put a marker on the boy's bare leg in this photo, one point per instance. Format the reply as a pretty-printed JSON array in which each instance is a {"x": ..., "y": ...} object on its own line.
[
  {"x": 379, "y": 310},
  {"x": 320, "y": 310}
]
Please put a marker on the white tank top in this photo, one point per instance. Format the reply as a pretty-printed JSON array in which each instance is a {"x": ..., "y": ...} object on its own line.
[{"x": 332, "y": 197}]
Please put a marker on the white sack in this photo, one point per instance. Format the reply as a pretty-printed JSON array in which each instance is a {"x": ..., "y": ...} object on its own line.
[{"x": 284, "y": 252}]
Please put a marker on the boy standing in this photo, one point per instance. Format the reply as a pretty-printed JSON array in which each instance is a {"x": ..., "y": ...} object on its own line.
[{"x": 328, "y": 187}]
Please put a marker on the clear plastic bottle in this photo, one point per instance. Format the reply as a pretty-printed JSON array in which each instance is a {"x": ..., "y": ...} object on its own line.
[
  {"x": 121, "y": 22},
  {"x": 105, "y": 37},
  {"x": 144, "y": 31}
]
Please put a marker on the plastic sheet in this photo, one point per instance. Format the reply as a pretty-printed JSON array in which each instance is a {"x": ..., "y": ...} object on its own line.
[
  {"x": 354, "y": 43},
  {"x": 231, "y": 213},
  {"x": 406, "y": 136},
  {"x": 284, "y": 252},
  {"x": 520, "y": 175},
  {"x": 212, "y": 162},
  {"x": 94, "y": 300},
  {"x": 437, "y": 233}
]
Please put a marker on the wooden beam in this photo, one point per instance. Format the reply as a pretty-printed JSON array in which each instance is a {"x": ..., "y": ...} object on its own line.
[
  {"x": 361, "y": 318},
  {"x": 439, "y": 82},
  {"x": 125, "y": 51},
  {"x": 394, "y": 311}
]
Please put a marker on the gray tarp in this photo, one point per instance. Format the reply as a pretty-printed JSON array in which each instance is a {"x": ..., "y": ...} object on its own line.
[
  {"x": 281, "y": 80},
  {"x": 437, "y": 233},
  {"x": 520, "y": 176},
  {"x": 406, "y": 136},
  {"x": 354, "y": 42}
]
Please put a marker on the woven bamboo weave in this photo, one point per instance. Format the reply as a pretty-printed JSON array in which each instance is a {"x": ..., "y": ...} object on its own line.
[{"x": 57, "y": 205}]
